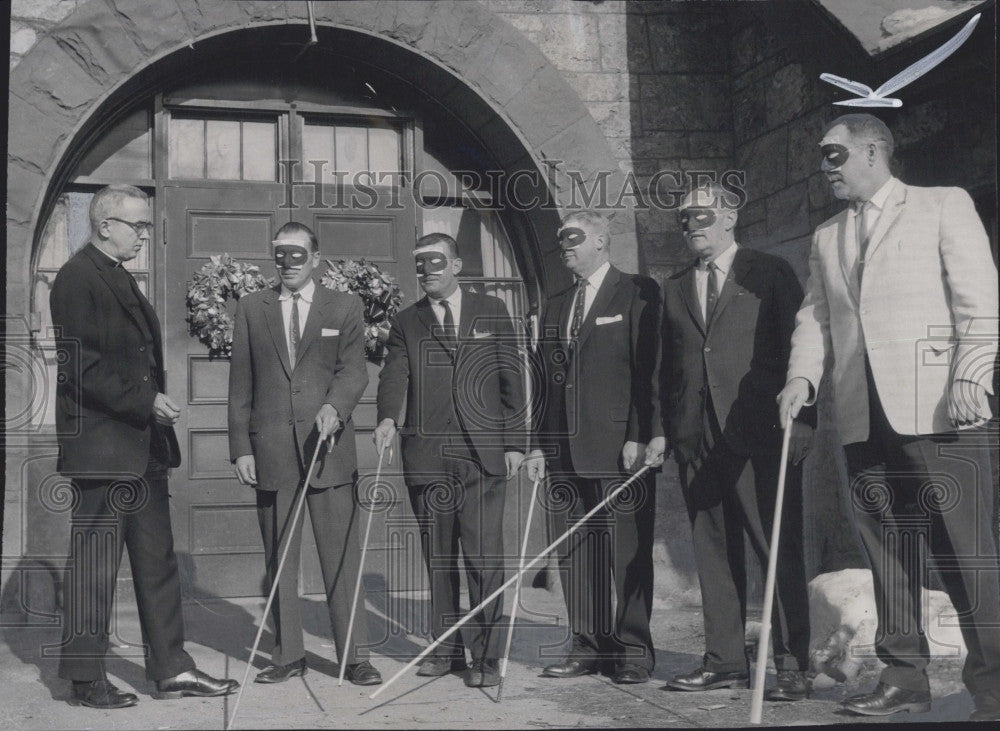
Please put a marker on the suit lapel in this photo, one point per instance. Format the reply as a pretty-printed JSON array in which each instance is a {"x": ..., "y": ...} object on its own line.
[
  {"x": 689, "y": 293},
  {"x": 604, "y": 296},
  {"x": 735, "y": 278},
  {"x": 890, "y": 213},
  {"x": 105, "y": 274},
  {"x": 321, "y": 300},
  {"x": 272, "y": 316}
]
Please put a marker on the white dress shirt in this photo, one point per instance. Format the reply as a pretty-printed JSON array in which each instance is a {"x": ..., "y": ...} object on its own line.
[
  {"x": 723, "y": 263},
  {"x": 594, "y": 282},
  {"x": 875, "y": 205},
  {"x": 305, "y": 301},
  {"x": 454, "y": 302}
]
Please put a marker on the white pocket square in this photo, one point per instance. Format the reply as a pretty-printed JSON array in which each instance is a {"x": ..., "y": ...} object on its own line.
[
  {"x": 607, "y": 320},
  {"x": 329, "y": 332},
  {"x": 477, "y": 335}
]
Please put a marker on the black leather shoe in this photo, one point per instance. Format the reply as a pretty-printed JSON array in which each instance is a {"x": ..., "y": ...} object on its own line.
[
  {"x": 281, "y": 673},
  {"x": 792, "y": 686},
  {"x": 483, "y": 674},
  {"x": 630, "y": 673},
  {"x": 571, "y": 668},
  {"x": 194, "y": 683},
  {"x": 363, "y": 673},
  {"x": 887, "y": 699},
  {"x": 987, "y": 706},
  {"x": 435, "y": 666},
  {"x": 702, "y": 679},
  {"x": 100, "y": 694}
]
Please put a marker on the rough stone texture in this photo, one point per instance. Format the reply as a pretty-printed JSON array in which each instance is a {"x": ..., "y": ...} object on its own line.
[
  {"x": 598, "y": 87},
  {"x": 152, "y": 34},
  {"x": 689, "y": 43},
  {"x": 22, "y": 37},
  {"x": 679, "y": 102},
  {"x": 612, "y": 117},
  {"x": 31, "y": 135},
  {"x": 99, "y": 43},
  {"x": 57, "y": 84},
  {"x": 571, "y": 41},
  {"x": 764, "y": 160},
  {"x": 788, "y": 212},
  {"x": 786, "y": 95},
  {"x": 51, "y": 11},
  {"x": 804, "y": 135}
]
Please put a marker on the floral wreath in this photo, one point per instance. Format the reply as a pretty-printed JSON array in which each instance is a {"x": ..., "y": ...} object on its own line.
[{"x": 222, "y": 278}]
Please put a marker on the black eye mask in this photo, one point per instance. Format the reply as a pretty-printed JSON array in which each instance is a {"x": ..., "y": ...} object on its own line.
[
  {"x": 570, "y": 238},
  {"x": 835, "y": 154},
  {"x": 289, "y": 255},
  {"x": 693, "y": 219},
  {"x": 430, "y": 262}
]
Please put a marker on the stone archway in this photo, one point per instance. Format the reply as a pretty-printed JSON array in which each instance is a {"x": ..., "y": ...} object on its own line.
[{"x": 99, "y": 54}]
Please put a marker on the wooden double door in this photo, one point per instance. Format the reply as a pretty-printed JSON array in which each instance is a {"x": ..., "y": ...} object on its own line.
[{"x": 214, "y": 517}]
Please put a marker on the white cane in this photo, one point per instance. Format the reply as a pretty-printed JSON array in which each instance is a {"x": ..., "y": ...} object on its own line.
[
  {"x": 300, "y": 502},
  {"x": 455, "y": 627},
  {"x": 757, "y": 700},
  {"x": 361, "y": 568},
  {"x": 517, "y": 590}
]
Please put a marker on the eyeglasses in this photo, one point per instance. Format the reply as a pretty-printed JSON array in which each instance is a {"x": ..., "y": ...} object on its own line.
[{"x": 139, "y": 227}]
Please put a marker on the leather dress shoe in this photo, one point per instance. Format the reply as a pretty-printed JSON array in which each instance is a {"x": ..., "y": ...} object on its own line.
[
  {"x": 483, "y": 673},
  {"x": 363, "y": 673},
  {"x": 437, "y": 665},
  {"x": 630, "y": 673},
  {"x": 887, "y": 699},
  {"x": 571, "y": 668},
  {"x": 987, "y": 706},
  {"x": 702, "y": 679},
  {"x": 281, "y": 673},
  {"x": 194, "y": 683},
  {"x": 100, "y": 694},
  {"x": 792, "y": 686}
]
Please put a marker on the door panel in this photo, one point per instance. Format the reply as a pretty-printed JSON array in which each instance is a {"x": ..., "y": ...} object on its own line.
[
  {"x": 379, "y": 227},
  {"x": 214, "y": 517}
]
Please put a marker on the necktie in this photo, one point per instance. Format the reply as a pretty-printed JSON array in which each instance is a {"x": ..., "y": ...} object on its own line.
[
  {"x": 861, "y": 221},
  {"x": 711, "y": 292},
  {"x": 578, "y": 305},
  {"x": 293, "y": 330},
  {"x": 450, "y": 333}
]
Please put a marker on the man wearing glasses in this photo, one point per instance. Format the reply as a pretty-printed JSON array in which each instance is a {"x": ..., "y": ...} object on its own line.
[{"x": 116, "y": 438}]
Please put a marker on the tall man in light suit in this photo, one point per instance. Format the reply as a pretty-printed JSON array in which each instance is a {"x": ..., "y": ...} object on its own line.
[
  {"x": 297, "y": 371},
  {"x": 453, "y": 357},
  {"x": 727, "y": 326},
  {"x": 599, "y": 420},
  {"x": 902, "y": 294},
  {"x": 116, "y": 439}
]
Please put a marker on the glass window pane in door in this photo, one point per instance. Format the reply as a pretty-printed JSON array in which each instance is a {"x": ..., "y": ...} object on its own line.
[
  {"x": 352, "y": 152},
  {"x": 384, "y": 154},
  {"x": 222, "y": 149},
  {"x": 259, "y": 158},
  {"x": 187, "y": 148},
  {"x": 317, "y": 144}
]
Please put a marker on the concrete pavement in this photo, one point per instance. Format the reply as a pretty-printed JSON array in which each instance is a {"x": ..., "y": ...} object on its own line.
[{"x": 220, "y": 634}]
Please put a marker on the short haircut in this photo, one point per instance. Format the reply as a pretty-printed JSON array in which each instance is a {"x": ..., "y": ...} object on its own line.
[
  {"x": 109, "y": 199},
  {"x": 711, "y": 195},
  {"x": 594, "y": 221},
  {"x": 294, "y": 227},
  {"x": 866, "y": 127},
  {"x": 450, "y": 245}
]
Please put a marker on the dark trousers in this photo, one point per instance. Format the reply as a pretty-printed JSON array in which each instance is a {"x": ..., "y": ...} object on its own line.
[
  {"x": 611, "y": 553},
  {"x": 463, "y": 506},
  {"x": 921, "y": 502},
  {"x": 111, "y": 514},
  {"x": 333, "y": 512},
  {"x": 727, "y": 494}
]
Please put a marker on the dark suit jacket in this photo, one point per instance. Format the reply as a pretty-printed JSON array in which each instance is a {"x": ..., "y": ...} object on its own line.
[
  {"x": 740, "y": 359},
  {"x": 603, "y": 393},
  {"x": 105, "y": 392},
  {"x": 272, "y": 409},
  {"x": 479, "y": 392}
]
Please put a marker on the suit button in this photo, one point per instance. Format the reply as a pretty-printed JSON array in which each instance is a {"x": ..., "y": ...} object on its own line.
[
  {"x": 145, "y": 378},
  {"x": 569, "y": 386},
  {"x": 707, "y": 349},
  {"x": 294, "y": 393},
  {"x": 290, "y": 422},
  {"x": 142, "y": 348}
]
